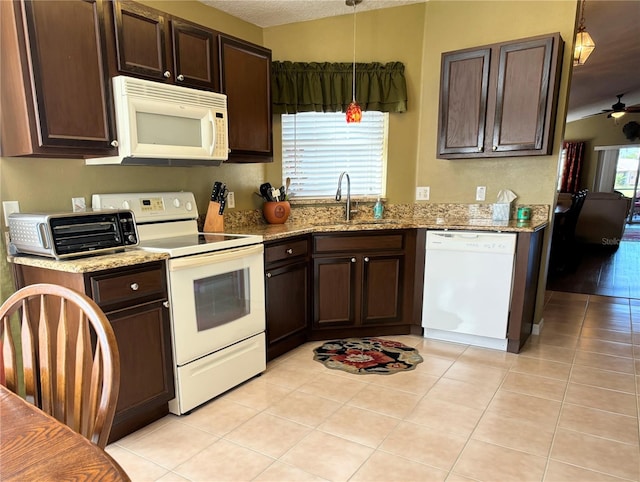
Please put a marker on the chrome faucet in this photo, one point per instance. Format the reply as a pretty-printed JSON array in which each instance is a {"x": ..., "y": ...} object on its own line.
[{"x": 339, "y": 194}]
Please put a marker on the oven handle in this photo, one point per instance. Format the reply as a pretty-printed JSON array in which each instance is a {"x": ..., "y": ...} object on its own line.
[{"x": 176, "y": 264}]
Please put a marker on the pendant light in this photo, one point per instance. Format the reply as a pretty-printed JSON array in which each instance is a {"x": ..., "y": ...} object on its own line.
[
  {"x": 584, "y": 42},
  {"x": 354, "y": 112}
]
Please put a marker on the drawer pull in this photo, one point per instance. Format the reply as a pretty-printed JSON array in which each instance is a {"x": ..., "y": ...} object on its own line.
[
  {"x": 366, "y": 259},
  {"x": 289, "y": 251},
  {"x": 135, "y": 286},
  {"x": 268, "y": 275},
  {"x": 165, "y": 304},
  {"x": 353, "y": 260}
]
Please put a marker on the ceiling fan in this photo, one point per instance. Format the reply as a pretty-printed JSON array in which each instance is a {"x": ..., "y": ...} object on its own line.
[{"x": 619, "y": 108}]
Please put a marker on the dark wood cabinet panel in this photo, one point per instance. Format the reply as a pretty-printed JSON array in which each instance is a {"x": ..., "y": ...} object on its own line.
[
  {"x": 499, "y": 100},
  {"x": 245, "y": 77},
  {"x": 522, "y": 96},
  {"x": 335, "y": 285},
  {"x": 194, "y": 55},
  {"x": 382, "y": 289},
  {"x": 55, "y": 96},
  {"x": 143, "y": 333},
  {"x": 140, "y": 41},
  {"x": 287, "y": 294},
  {"x": 464, "y": 88}
]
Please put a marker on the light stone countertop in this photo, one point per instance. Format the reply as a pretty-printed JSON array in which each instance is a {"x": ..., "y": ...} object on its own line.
[
  {"x": 271, "y": 232},
  {"x": 88, "y": 264}
]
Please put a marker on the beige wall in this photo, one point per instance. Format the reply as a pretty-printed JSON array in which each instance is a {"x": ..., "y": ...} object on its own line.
[
  {"x": 393, "y": 34},
  {"x": 597, "y": 131},
  {"x": 479, "y": 23}
]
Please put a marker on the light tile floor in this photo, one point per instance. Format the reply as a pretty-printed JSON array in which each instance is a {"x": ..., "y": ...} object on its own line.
[{"x": 564, "y": 409}]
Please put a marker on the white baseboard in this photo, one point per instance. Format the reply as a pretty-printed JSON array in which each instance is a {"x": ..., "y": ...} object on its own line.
[{"x": 537, "y": 327}]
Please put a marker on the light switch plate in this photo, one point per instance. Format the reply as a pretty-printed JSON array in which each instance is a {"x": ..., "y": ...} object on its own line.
[
  {"x": 79, "y": 204},
  {"x": 9, "y": 207},
  {"x": 231, "y": 199},
  {"x": 422, "y": 193},
  {"x": 481, "y": 192}
]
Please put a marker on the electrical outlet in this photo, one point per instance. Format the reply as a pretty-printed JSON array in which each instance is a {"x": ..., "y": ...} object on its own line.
[
  {"x": 79, "y": 204},
  {"x": 9, "y": 207},
  {"x": 481, "y": 192},
  {"x": 231, "y": 199},
  {"x": 422, "y": 193}
]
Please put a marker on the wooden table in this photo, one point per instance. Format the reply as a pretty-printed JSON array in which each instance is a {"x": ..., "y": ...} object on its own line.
[{"x": 35, "y": 446}]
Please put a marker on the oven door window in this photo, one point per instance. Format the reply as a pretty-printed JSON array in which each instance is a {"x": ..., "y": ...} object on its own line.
[{"x": 222, "y": 298}]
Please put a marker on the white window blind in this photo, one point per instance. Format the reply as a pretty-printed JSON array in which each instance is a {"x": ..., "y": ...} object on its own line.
[{"x": 318, "y": 146}]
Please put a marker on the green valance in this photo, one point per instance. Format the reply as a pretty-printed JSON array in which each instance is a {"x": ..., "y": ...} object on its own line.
[{"x": 327, "y": 87}]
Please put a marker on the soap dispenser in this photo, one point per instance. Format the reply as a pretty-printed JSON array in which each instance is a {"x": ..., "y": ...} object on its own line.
[{"x": 378, "y": 208}]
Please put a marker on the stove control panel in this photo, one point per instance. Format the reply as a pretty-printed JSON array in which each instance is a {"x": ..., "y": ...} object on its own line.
[{"x": 150, "y": 206}]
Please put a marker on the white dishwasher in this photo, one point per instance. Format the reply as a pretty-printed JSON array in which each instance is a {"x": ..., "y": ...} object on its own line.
[{"x": 467, "y": 287}]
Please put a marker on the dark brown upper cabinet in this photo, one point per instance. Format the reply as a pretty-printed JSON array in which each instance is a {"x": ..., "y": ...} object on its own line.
[
  {"x": 194, "y": 55},
  {"x": 499, "y": 100},
  {"x": 54, "y": 90},
  {"x": 153, "y": 45},
  {"x": 245, "y": 77}
]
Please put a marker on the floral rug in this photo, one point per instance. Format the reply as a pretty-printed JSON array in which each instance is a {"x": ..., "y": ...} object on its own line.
[{"x": 367, "y": 355}]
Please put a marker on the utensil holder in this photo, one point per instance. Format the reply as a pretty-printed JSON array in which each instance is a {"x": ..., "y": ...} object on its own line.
[
  {"x": 214, "y": 222},
  {"x": 276, "y": 212}
]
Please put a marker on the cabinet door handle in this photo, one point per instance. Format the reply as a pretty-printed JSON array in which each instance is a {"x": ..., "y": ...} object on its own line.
[
  {"x": 353, "y": 260},
  {"x": 167, "y": 74},
  {"x": 495, "y": 148},
  {"x": 479, "y": 148},
  {"x": 366, "y": 259},
  {"x": 180, "y": 77},
  {"x": 114, "y": 143},
  {"x": 165, "y": 304},
  {"x": 134, "y": 286},
  {"x": 289, "y": 251},
  {"x": 268, "y": 275}
]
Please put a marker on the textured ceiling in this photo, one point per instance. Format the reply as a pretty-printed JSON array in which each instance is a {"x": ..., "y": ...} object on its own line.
[
  {"x": 269, "y": 13},
  {"x": 613, "y": 68}
]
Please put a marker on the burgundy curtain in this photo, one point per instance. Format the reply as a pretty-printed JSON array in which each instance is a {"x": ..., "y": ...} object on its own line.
[{"x": 572, "y": 166}]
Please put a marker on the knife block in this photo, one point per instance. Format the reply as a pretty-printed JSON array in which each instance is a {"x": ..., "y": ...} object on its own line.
[{"x": 214, "y": 222}]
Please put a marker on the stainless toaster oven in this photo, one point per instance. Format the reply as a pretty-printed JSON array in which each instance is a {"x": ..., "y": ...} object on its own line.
[{"x": 69, "y": 235}]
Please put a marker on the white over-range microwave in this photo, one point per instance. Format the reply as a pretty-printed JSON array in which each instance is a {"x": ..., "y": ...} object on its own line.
[{"x": 162, "y": 124}]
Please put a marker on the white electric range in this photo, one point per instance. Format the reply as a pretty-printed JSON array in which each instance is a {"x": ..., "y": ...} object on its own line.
[{"x": 216, "y": 294}]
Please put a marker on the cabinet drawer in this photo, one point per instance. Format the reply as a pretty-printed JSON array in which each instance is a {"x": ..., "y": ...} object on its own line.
[
  {"x": 133, "y": 285},
  {"x": 378, "y": 242},
  {"x": 286, "y": 250}
]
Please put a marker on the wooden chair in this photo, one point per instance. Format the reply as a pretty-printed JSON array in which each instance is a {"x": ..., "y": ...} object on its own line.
[
  {"x": 59, "y": 352},
  {"x": 564, "y": 252}
]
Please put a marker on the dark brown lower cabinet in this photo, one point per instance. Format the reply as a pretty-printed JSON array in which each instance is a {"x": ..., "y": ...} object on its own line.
[
  {"x": 287, "y": 294},
  {"x": 363, "y": 284},
  {"x": 134, "y": 298}
]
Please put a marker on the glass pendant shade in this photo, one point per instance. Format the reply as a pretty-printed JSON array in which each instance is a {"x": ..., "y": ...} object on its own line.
[
  {"x": 584, "y": 47},
  {"x": 354, "y": 112}
]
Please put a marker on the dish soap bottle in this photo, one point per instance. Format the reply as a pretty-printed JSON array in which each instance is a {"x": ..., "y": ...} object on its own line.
[{"x": 378, "y": 208}]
